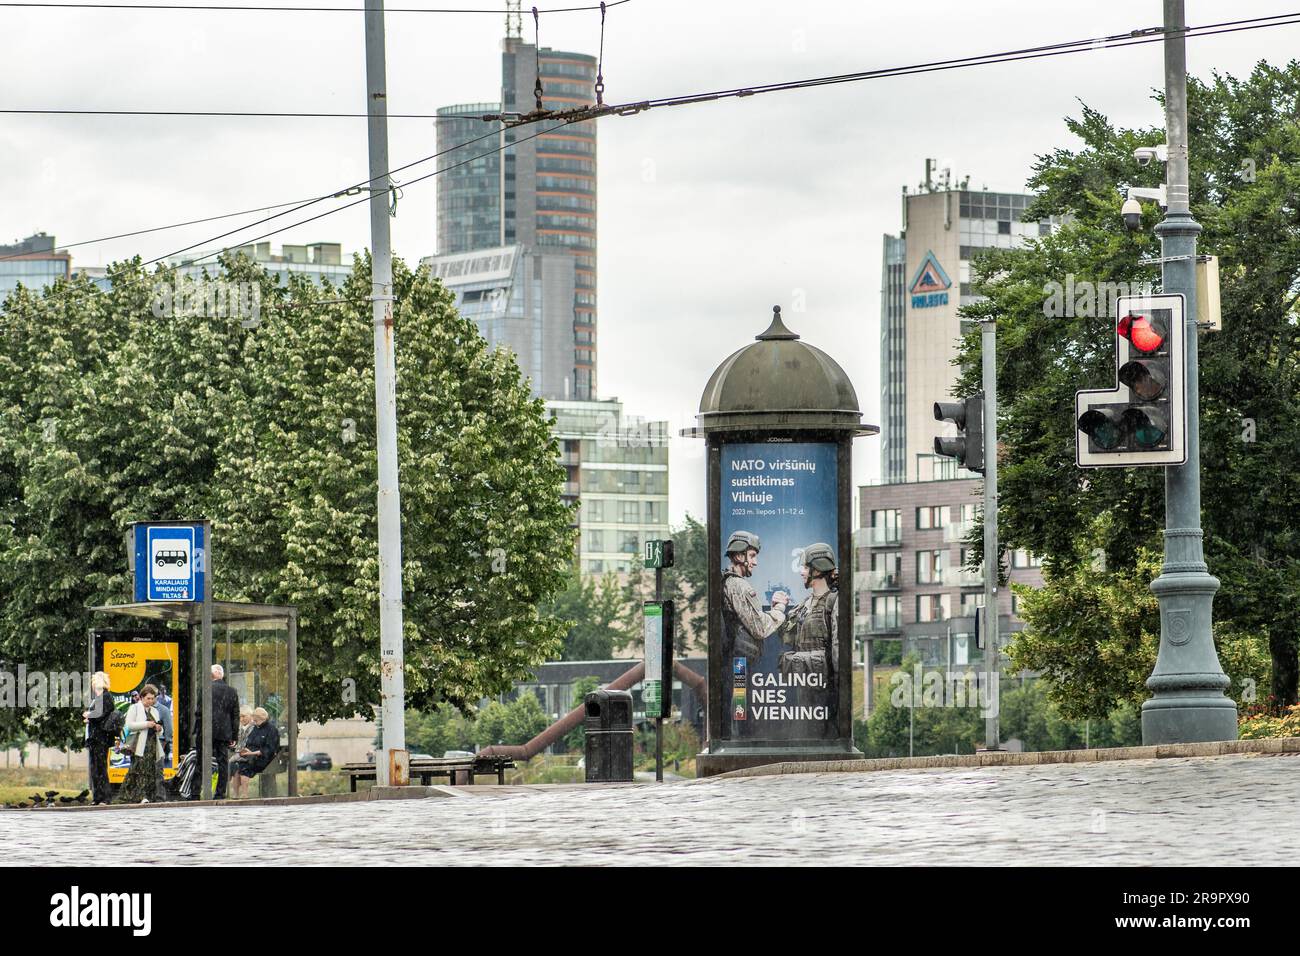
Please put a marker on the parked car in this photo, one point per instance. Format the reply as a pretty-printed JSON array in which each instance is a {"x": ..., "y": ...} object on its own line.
[{"x": 317, "y": 761}]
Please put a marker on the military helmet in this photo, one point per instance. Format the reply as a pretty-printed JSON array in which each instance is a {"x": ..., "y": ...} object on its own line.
[
  {"x": 742, "y": 541},
  {"x": 819, "y": 557}
]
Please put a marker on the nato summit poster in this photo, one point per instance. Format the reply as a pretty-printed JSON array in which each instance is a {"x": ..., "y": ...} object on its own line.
[{"x": 779, "y": 623}]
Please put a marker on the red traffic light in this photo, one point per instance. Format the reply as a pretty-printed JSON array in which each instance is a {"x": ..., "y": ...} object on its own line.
[{"x": 1139, "y": 329}]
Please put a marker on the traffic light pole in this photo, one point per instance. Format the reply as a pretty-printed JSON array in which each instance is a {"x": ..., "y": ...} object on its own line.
[
  {"x": 988, "y": 345},
  {"x": 1187, "y": 703}
]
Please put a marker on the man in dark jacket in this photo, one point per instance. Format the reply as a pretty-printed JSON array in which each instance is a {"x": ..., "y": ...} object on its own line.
[{"x": 225, "y": 726}]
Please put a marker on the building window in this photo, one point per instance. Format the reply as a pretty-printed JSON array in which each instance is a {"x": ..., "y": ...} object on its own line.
[
  {"x": 595, "y": 539},
  {"x": 595, "y": 509},
  {"x": 630, "y": 512},
  {"x": 929, "y": 518},
  {"x": 629, "y": 543},
  {"x": 885, "y": 525},
  {"x": 654, "y": 512},
  {"x": 1021, "y": 558},
  {"x": 1004, "y": 228},
  {"x": 929, "y": 566},
  {"x": 971, "y": 601},
  {"x": 933, "y": 607}
]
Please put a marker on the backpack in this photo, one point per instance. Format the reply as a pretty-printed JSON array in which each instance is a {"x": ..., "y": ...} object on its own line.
[{"x": 114, "y": 724}]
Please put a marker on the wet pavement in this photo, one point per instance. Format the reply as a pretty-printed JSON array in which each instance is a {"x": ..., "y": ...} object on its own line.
[{"x": 1228, "y": 811}]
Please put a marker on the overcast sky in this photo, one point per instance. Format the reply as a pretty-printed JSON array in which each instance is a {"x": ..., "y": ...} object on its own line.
[{"x": 709, "y": 214}]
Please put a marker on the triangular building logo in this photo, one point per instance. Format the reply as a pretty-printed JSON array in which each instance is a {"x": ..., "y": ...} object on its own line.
[{"x": 930, "y": 276}]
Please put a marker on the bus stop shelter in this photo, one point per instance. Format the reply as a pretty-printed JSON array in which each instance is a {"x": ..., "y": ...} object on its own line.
[{"x": 258, "y": 648}]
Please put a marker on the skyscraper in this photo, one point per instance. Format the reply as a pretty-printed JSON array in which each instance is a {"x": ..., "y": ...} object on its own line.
[
  {"x": 926, "y": 278},
  {"x": 540, "y": 193}
]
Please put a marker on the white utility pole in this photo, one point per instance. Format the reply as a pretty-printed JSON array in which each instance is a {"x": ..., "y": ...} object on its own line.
[{"x": 391, "y": 766}]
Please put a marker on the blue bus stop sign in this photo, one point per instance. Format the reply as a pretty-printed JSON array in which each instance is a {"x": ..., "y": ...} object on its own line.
[{"x": 170, "y": 561}]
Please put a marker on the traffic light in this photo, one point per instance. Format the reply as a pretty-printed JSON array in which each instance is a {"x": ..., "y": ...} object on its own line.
[
  {"x": 1142, "y": 420},
  {"x": 658, "y": 553},
  {"x": 968, "y": 446}
]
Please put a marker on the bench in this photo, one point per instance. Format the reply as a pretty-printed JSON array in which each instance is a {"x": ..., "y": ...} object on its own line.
[{"x": 447, "y": 767}]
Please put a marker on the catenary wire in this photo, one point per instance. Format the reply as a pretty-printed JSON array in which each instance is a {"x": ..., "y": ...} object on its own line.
[
  {"x": 1129, "y": 39},
  {"x": 1133, "y": 38},
  {"x": 249, "y": 8},
  {"x": 330, "y": 212}
]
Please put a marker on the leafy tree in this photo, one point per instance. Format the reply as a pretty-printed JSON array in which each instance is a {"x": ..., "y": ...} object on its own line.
[
  {"x": 514, "y": 723},
  {"x": 438, "y": 730},
  {"x": 203, "y": 415},
  {"x": 524, "y": 719},
  {"x": 1253, "y": 224},
  {"x": 592, "y": 609}
]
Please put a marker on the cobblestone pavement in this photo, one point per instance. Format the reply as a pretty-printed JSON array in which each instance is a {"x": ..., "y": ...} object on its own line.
[{"x": 1228, "y": 811}]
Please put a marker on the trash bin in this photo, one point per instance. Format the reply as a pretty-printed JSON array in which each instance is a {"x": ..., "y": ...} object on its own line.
[{"x": 609, "y": 736}]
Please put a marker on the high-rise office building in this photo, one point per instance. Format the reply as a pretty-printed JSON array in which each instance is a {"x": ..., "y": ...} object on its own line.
[
  {"x": 910, "y": 582},
  {"x": 539, "y": 193},
  {"x": 618, "y": 466},
  {"x": 925, "y": 280},
  {"x": 34, "y": 263},
  {"x": 521, "y": 300}
]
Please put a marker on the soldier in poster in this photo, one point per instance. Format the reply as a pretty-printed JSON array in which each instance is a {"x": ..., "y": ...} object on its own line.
[{"x": 745, "y": 625}]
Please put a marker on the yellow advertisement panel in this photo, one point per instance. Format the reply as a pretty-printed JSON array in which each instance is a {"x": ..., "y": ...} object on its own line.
[{"x": 132, "y": 660}]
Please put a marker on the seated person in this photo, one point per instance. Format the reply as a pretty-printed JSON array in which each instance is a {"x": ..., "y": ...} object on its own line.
[{"x": 258, "y": 751}]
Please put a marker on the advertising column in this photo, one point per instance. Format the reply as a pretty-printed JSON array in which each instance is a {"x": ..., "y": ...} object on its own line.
[{"x": 779, "y": 584}]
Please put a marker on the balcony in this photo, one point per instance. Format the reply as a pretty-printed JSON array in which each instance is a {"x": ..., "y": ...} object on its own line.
[
  {"x": 968, "y": 579},
  {"x": 957, "y": 531},
  {"x": 883, "y": 580},
  {"x": 882, "y": 623},
  {"x": 875, "y": 537}
]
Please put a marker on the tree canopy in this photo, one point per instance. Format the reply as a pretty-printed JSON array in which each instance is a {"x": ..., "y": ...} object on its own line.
[
  {"x": 109, "y": 414},
  {"x": 1245, "y": 184}
]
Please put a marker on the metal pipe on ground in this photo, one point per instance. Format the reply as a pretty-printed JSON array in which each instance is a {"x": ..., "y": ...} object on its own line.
[{"x": 576, "y": 716}]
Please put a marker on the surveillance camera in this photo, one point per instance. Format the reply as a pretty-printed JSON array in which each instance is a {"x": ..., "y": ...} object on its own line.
[
  {"x": 1145, "y": 154},
  {"x": 1132, "y": 214}
]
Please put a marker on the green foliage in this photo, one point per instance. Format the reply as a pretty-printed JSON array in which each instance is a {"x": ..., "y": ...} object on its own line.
[
  {"x": 681, "y": 744},
  {"x": 592, "y": 610},
  {"x": 438, "y": 730},
  {"x": 686, "y": 584},
  {"x": 576, "y": 739},
  {"x": 201, "y": 416},
  {"x": 514, "y": 723},
  {"x": 1251, "y": 370}
]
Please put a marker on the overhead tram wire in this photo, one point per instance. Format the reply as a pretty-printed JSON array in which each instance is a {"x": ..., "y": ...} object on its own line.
[
  {"x": 249, "y": 8},
  {"x": 330, "y": 212},
  {"x": 1133, "y": 38},
  {"x": 364, "y": 185},
  {"x": 174, "y": 225}
]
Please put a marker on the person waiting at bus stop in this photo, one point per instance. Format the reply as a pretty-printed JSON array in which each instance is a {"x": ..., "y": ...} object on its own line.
[
  {"x": 225, "y": 727},
  {"x": 259, "y": 750}
]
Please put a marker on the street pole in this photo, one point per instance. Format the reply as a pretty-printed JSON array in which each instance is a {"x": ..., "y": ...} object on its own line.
[
  {"x": 988, "y": 343},
  {"x": 391, "y": 768},
  {"x": 1187, "y": 703},
  {"x": 666, "y": 688}
]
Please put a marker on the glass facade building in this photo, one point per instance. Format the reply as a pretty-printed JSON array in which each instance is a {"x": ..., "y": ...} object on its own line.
[
  {"x": 469, "y": 184},
  {"x": 521, "y": 300},
  {"x": 32, "y": 263},
  {"x": 539, "y": 193}
]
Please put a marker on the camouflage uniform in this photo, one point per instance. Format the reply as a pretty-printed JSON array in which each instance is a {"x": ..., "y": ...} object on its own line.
[{"x": 812, "y": 628}]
